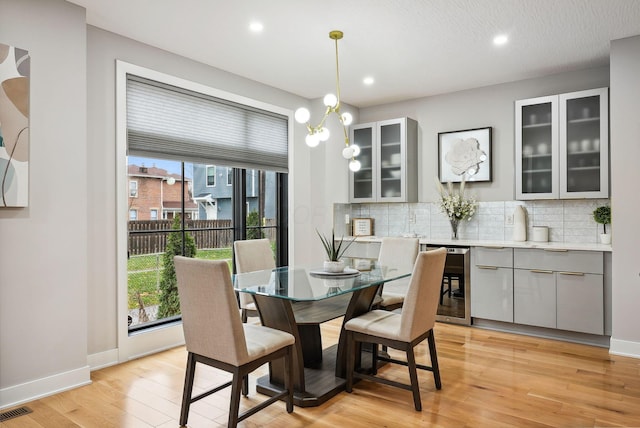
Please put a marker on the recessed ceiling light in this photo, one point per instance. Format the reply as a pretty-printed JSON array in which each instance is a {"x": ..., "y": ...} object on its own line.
[
  {"x": 256, "y": 26},
  {"x": 500, "y": 39},
  {"x": 368, "y": 81}
]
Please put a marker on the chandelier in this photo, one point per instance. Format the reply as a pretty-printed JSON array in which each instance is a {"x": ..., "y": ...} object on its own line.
[{"x": 319, "y": 133}]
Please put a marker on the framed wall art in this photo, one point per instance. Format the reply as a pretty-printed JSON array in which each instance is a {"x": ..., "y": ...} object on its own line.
[
  {"x": 362, "y": 226},
  {"x": 465, "y": 153},
  {"x": 14, "y": 126}
]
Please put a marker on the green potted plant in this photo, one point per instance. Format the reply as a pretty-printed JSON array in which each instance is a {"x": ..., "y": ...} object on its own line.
[
  {"x": 334, "y": 250},
  {"x": 602, "y": 215}
]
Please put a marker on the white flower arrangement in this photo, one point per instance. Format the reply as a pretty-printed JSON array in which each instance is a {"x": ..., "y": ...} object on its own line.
[{"x": 454, "y": 204}]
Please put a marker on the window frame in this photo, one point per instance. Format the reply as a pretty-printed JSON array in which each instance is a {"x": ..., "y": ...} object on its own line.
[
  {"x": 215, "y": 171},
  {"x": 132, "y": 345},
  {"x": 132, "y": 193}
]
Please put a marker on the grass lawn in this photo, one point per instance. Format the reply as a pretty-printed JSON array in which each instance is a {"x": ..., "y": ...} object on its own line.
[{"x": 145, "y": 273}]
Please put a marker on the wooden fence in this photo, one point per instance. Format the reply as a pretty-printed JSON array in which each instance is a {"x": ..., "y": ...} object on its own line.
[{"x": 150, "y": 236}]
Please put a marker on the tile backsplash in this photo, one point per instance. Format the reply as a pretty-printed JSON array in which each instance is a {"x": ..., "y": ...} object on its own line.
[{"x": 569, "y": 221}]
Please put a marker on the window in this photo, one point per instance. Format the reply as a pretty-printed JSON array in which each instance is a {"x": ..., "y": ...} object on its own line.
[
  {"x": 211, "y": 175},
  {"x": 229, "y": 176},
  {"x": 133, "y": 215},
  {"x": 185, "y": 127},
  {"x": 227, "y": 214},
  {"x": 133, "y": 189}
]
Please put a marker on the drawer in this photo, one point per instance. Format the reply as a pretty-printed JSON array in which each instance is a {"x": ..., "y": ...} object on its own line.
[
  {"x": 559, "y": 261},
  {"x": 493, "y": 256}
]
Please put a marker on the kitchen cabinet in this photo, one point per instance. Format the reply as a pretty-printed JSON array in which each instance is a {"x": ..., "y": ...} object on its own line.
[
  {"x": 492, "y": 283},
  {"x": 559, "y": 289},
  {"x": 389, "y": 161},
  {"x": 562, "y": 146}
]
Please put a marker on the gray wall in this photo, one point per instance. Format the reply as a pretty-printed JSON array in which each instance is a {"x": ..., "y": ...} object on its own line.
[
  {"x": 43, "y": 248},
  {"x": 488, "y": 106},
  {"x": 58, "y": 298},
  {"x": 625, "y": 176}
]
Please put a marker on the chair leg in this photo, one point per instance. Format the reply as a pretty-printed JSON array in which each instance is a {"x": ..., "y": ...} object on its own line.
[
  {"x": 434, "y": 359},
  {"x": 245, "y": 385},
  {"x": 188, "y": 388},
  {"x": 244, "y": 315},
  {"x": 288, "y": 378},
  {"x": 351, "y": 357},
  {"x": 374, "y": 359},
  {"x": 234, "y": 407},
  {"x": 413, "y": 375}
]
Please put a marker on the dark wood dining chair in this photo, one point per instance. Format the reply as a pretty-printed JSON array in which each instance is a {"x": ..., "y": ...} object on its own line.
[
  {"x": 402, "y": 331},
  {"x": 215, "y": 335}
]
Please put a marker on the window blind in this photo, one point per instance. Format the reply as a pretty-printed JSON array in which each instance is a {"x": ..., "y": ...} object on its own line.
[{"x": 165, "y": 121}]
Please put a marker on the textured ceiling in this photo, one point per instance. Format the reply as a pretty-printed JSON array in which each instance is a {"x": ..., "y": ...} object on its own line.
[{"x": 412, "y": 48}]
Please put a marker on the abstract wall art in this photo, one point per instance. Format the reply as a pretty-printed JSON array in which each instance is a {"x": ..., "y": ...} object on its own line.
[{"x": 14, "y": 126}]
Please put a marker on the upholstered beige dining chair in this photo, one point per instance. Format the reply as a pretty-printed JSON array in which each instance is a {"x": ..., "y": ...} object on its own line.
[
  {"x": 402, "y": 331},
  {"x": 396, "y": 253},
  {"x": 215, "y": 335},
  {"x": 252, "y": 255}
]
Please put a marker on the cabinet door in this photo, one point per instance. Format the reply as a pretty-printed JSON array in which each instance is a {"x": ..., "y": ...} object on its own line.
[
  {"x": 392, "y": 155},
  {"x": 492, "y": 293},
  {"x": 580, "y": 302},
  {"x": 584, "y": 144},
  {"x": 534, "y": 297},
  {"x": 537, "y": 148},
  {"x": 362, "y": 186}
]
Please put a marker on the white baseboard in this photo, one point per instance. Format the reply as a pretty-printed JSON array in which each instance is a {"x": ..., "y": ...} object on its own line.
[
  {"x": 103, "y": 359},
  {"x": 39, "y": 388},
  {"x": 625, "y": 348}
]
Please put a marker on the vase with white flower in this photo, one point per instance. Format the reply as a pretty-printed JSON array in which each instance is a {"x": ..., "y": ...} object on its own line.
[{"x": 455, "y": 205}]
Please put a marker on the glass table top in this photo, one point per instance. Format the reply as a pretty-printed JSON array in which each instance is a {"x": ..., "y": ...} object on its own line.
[{"x": 310, "y": 283}]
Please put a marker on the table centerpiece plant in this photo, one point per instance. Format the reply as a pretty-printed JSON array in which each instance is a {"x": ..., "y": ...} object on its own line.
[
  {"x": 334, "y": 250},
  {"x": 455, "y": 205},
  {"x": 602, "y": 215}
]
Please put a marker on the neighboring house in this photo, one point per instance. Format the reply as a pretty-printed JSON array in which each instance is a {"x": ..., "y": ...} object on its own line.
[
  {"x": 213, "y": 191},
  {"x": 155, "y": 194}
]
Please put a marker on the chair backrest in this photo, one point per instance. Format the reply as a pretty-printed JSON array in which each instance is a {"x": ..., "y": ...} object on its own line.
[
  {"x": 252, "y": 255},
  {"x": 421, "y": 302},
  {"x": 209, "y": 310},
  {"x": 399, "y": 253}
]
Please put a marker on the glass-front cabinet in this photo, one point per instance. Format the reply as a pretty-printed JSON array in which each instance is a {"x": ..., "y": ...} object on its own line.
[
  {"x": 389, "y": 152},
  {"x": 562, "y": 148}
]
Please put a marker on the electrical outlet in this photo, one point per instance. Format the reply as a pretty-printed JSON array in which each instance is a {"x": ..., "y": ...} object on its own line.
[
  {"x": 346, "y": 219},
  {"x": 412, "y": 218},
  {"x": 509, "y": 220}
]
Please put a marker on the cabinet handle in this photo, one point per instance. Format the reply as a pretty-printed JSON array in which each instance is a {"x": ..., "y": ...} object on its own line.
[
  {"x": 541, "y": 271},
  {"x": 487, "y": 267},
  {"x": 557, "y": 250},
  {"x": 492, "y": 247},
  {"x": 572, "y": 273}
]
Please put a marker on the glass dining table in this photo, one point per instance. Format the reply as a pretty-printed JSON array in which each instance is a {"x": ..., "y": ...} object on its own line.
[{"x": 297, "y": 299}]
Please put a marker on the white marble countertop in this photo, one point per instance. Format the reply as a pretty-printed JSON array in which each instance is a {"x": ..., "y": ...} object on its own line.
[{"x": 498, "y": 244}]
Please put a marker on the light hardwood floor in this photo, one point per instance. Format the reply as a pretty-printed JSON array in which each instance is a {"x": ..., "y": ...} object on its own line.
[{"x": 490, "y": 379}]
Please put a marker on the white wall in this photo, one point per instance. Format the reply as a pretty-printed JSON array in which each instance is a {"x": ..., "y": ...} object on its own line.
[
  {"x": 625, "y": 176},
  {"x": 43, "y": 248},
  {"x": 477, "y": 108}
]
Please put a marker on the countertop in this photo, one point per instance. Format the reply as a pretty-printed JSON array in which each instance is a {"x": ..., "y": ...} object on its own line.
[{"x": 498, "y": 244}]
